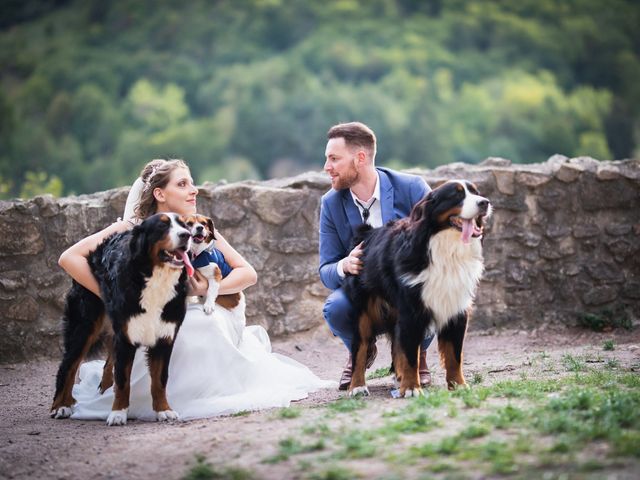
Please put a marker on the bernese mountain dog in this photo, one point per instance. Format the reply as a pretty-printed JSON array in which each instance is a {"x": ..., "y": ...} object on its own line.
[
  {"x": 142, "y": 275},
  {"x": 419, "y": 273}
]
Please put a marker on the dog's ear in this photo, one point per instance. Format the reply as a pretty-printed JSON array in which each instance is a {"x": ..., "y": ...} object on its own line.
[
  {"x": 138, "y": 244},
  {"x": 418, "y": 210},
  {"x": 212, "y": 228}
]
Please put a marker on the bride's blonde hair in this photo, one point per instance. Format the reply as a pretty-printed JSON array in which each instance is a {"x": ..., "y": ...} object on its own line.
[{"x": 155, "y": 174}]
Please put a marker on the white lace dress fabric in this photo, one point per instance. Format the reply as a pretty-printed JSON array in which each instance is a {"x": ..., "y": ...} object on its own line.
[{"x": 213, "y": 371}]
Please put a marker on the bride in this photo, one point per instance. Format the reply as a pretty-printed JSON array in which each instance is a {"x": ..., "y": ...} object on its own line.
[{"x": 219, "y": 366}]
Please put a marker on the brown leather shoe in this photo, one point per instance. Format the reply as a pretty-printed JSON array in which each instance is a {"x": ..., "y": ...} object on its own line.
[
  {"x": 425, "y": 374},
  {"x": 345, "y": 378}
]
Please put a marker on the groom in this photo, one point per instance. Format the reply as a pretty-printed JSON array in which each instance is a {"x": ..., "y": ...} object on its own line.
[{"x": 361, "y": 193}]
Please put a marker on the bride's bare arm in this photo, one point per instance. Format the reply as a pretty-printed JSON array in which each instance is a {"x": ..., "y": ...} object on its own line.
[
  {"x": 243, "y": 274},
  {"x": 74, "y": 259}
]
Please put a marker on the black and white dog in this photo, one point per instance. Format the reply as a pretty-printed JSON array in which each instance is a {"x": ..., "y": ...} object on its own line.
[
  {"x": 420, "y": 273},
  {"x": 142, "y": 275}
]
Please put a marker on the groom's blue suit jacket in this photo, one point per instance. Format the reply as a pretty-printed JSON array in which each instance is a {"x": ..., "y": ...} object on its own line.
[{"x": 340, "y": 218}]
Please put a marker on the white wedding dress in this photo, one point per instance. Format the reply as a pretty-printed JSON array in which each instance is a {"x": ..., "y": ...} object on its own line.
[{"x": 219, "y": 366}]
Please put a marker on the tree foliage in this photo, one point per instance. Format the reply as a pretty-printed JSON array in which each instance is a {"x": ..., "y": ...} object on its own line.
[{"x": 92, "y": 90}]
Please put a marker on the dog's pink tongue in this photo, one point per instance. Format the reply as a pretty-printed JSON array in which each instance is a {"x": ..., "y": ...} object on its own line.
[
  {"x": 187, "y": 263},
  {"x": 467, "y": 231}
]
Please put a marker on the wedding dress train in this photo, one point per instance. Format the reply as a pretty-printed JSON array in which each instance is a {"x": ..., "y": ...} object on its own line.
[{"x": 219, "y": 366}]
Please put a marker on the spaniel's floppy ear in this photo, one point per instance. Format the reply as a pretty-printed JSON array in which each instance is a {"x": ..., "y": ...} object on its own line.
[{"x": 211, "y": 227}]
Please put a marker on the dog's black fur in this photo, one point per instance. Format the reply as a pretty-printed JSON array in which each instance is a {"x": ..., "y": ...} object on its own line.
[
  {"x": 124, "y": 265},
  {"x": 388, "y": 296}
]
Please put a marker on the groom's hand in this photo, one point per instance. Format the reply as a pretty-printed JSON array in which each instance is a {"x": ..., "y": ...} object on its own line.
[
  {"x": 198, "y": 284},
  {"x": 352, "y": 264}
]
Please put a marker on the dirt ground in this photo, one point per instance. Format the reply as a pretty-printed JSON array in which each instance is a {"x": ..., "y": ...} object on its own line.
[{"x": 32, "y": 445}]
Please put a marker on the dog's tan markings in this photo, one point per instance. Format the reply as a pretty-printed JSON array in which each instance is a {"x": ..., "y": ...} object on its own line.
[
  {"x": 121, "y": 395},
  {"x": 107, "y": 374},
  {"x": 452, "y": 212},
  {"x": 65, "y": 397},
  {"x": 229, "y": 301},
  {"x": 360, "y": 362},
  {"x": 451, "y": 364},
  {"x": 459, "y": 187},
  {"x": 407, "y": 375},
  {"x": 158, "y": 390}
]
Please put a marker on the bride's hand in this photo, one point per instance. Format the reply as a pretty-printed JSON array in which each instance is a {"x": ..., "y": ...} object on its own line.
[{"x": 198, "y": 284}]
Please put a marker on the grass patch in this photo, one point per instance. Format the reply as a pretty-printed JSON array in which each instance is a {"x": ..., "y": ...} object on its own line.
[
  {"x": 290, "y": 412},
  {"x": 606, "y": 319},
  {"x": 472, "y": 397},
  {"x": 522, "y": 427},
  {"x": 475, "y": 430},
  {"x": 241, "y": 413},
  {"x": 608, "y": 345},
  {"x": 205, "y": 471},
  {"x": 477, "y": 378},
  {"x": 357, "y": 444},
  {"x": 333, "y": 473},
  {"x": 573, "y": 364},
  {"x": 346, "y": 404},
  {"x": 379, "y": 373},
  {"x": 291, "y": 446}
]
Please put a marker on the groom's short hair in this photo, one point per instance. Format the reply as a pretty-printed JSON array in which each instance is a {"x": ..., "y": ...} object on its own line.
[{"x": 355, "y": 134}]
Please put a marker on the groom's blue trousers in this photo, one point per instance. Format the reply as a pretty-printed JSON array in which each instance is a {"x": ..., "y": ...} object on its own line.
[{"x": 338, "y": 313}]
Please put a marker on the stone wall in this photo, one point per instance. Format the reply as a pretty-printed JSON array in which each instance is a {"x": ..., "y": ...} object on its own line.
[{"x": 563, "y": 241}]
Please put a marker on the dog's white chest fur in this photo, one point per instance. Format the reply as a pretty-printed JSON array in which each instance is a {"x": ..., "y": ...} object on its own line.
[
  {"x": 449, "y": 282},
  {"x": 147, "y": 327}
]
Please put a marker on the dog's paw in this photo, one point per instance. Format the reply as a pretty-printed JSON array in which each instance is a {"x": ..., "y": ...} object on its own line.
[
  {"x": 61, "y": 412},
  {"x": 208, "y": 308},
  {"x": 359, "y": 391},
  {"x": 167, "y": 416},
  {"x": 117, "y": 417},
  {"x": 412, "y": 392}
]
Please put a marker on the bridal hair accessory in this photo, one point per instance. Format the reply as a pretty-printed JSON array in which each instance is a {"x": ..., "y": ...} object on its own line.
[{"x": 147, "y": 182}]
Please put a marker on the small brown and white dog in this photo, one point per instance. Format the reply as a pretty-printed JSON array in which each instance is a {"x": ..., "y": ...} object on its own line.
[
  {"x": 207, "y": 260},
  {"x": 203, "y": 239}
]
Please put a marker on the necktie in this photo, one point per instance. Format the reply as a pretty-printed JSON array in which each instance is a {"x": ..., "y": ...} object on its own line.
[{"x": 365, "y": 210}]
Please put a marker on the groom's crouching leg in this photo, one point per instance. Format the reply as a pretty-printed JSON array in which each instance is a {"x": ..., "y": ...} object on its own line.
[
  {"x": 159, "y": 356},
  {"x": 338, "y": 314}
]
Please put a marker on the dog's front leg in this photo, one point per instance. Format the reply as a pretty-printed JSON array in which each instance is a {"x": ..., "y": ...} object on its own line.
[
  {"x": 159, "y": 356},
  {"x": 410, "y": 331},
  {"x": 450, "y": 342},
  {"x": 124, "y": 356},
  {"x": 214, "y": 275}
]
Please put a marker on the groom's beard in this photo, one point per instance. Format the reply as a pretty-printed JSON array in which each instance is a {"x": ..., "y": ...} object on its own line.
[{"x": 347, "y": 179}]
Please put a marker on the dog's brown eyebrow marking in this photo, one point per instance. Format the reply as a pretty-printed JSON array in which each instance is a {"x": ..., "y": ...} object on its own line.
[
  {"x": 165, "y": 218},
  {"x": 459, "y": 187}
]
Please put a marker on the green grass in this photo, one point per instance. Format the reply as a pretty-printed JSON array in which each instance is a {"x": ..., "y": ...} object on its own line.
[
  {"x": 583, "y": 417},
  {"x": 291, "y": 446},
  {"x": 290, "y": 412},
  {"x": 205, "y": 471},
  {"x": 608, "y": 345},
  {"x": 346, "y": 404},
  {"x": 379, "y": 373},
  {"x": 606, "y": 319}
]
